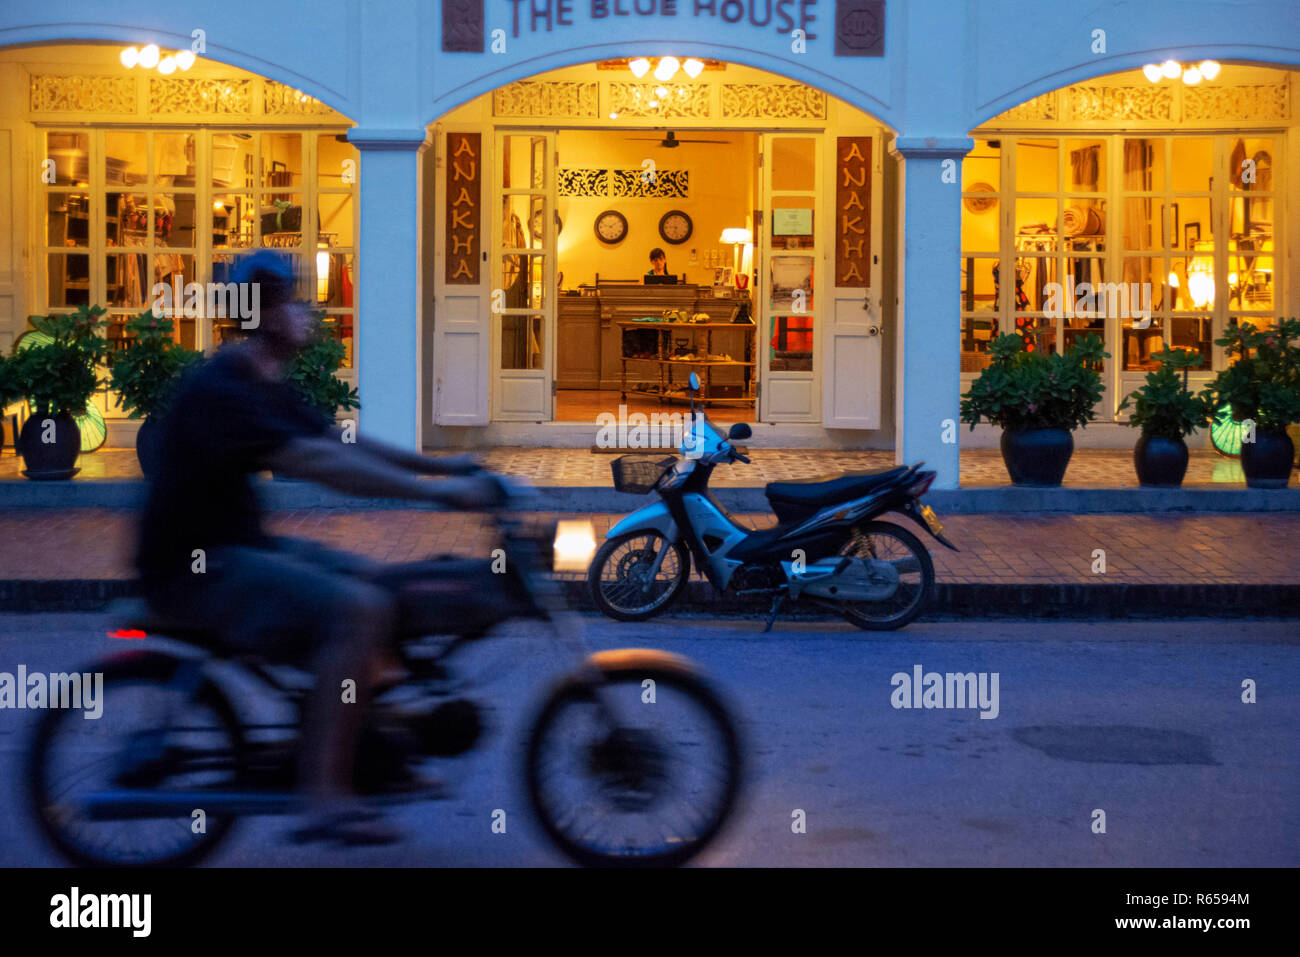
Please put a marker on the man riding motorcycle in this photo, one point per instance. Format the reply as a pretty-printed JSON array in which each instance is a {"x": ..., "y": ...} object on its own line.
[{"x": 204, "y": 556}]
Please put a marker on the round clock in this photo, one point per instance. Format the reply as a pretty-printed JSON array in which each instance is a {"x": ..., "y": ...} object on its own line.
[
  {"x": 675, "y": 227},
  {"x": 611, "y": 227}
]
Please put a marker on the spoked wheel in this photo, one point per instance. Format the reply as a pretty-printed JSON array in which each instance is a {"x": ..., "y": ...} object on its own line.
[
  {"x": 149, "y": 738},
  {"x": 623, "y": 581},
  {"x": 884, "y": 541},
  {"x": 649, "y": 786}
]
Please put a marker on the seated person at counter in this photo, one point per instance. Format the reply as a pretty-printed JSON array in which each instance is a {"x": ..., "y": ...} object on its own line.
[{"x": 659, "y": 273}]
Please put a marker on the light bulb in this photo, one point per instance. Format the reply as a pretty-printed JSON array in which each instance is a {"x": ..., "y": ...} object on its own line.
[
  {"x": 654, "y": 104},
  {"x": 1173, "y": 280},
  {"x": 129, "y": 57},
  {"x": 185, "y": 59},
  {"x": 1191, "y": 76},
  {"x": 1232, "y": 279},
  {"x": 1171, "y": 69},
  {"x": 667, "y": 68},
  {"x": 149, "y": 56},
  {"x": 1152, "y": 72},
  {"x": 613, "y": 116},
  {"x": 639, "y": 67},
  {"x": 661, "y": 91},
  {"x": 1200, "y": 286},
  {"x": 1209, "y": 69},
  {"x": 693, "y": 67},
  {"x": 167, "y": 65}
]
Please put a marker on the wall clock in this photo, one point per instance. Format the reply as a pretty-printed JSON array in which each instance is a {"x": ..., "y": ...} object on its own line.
[
  {"x": 611, "y": 227},
  {"x": 675, "y": 227},
  {"x": 535, "y": 224}
]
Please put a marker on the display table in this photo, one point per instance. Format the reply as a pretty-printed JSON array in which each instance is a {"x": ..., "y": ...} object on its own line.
[{"x": 666, "y": 359}]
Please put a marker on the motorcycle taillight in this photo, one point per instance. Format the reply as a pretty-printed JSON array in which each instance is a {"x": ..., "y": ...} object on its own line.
[{"x": 922, "y": 485}]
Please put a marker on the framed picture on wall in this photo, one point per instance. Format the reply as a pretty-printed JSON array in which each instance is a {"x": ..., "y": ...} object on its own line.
[{"x": 1191, "y": 235}]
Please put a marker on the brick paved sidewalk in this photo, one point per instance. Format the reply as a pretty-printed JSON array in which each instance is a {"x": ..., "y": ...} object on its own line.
[{"x": 997, "y": 549}]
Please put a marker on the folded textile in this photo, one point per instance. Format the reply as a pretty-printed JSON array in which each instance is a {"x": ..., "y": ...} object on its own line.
[{"x": 1083, "y": 221}]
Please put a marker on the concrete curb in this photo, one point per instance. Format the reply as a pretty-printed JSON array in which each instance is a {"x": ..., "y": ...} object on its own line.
[
  {"x": 952, "y": 600},
  {"x": 287, "y": 495}
]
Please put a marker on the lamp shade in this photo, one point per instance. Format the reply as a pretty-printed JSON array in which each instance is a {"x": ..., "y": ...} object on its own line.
[{"x": 737, "y": 234}]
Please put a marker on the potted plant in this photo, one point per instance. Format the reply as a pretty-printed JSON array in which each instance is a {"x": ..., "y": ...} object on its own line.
[
  {"x": 311, "y": 373},
  {"x": 1166, "y": 411},
  {"x": 1262, "y": 385},
  {"x": 57, "y": 378},
  {"x": 1038, "y": 400},
  {"x": 145, "y": 376}
]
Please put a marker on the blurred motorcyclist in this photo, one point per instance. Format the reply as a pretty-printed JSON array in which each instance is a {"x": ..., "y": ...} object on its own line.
[{"x": 204, "y": 556}]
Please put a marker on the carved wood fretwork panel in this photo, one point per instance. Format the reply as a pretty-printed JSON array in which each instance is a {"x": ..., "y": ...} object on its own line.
[
  {"x": 1158, "y": 104},
  {"x": 83, "y": 94},
  {"x": 281, "y": 100},
  {"x": 574, "y": 100},
  {"x": 683, "y": 99},
  {"x": 1151, "y": 102},
  {"x": 780, "y": 101},
  {"x": 185, "y": 95},
  {"x": 1247, "y": 102}
]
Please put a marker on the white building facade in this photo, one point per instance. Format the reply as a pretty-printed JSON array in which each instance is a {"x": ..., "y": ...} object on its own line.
[{"x": 923, "y": 169}]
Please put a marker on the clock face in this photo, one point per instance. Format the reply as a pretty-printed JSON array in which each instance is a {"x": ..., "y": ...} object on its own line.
[
  {"x": 611, "y": 227},
  {"x": 536, "y": 222},
  {"x": 675, "y": 227}
]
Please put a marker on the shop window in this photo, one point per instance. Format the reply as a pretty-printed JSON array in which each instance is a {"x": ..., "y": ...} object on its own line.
[
  {"x": 522, "y": 341},
  {"x": 338, "y": 168}
]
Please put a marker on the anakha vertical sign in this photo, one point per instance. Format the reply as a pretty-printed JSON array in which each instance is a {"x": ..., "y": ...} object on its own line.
[
  {"x": 464, "y": 208},
  {"x": 853, "y": 211}
]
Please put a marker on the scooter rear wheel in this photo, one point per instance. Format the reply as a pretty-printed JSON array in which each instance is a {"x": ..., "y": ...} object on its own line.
[
  {"x": 885, "y": 541},
  {"x": 619, "y": 579}
]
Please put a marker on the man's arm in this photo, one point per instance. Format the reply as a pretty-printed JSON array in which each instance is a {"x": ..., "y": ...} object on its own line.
[
  {"x": 355, "y": 471},
  {"x": 414, "y": 461}
]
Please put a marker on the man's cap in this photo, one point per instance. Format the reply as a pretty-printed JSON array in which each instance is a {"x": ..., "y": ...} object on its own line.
[{"x": 274, "y": 274}]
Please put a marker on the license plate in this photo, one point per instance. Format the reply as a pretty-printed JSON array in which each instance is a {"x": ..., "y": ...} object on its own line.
[{"x": 931, "y": 520}]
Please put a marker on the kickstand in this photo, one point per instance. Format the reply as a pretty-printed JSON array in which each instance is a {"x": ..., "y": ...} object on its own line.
[{"x": 777, "y": 601}]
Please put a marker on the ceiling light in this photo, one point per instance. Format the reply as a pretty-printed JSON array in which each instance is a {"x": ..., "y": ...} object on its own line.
[
  {"x": 185, "y": 59},
  {"x": 639, "y": 67},
  {"x": 1153, "y": 72},
  {"x": 667, "y": 68},
  {"x": 167, "y": 65},
  {"x": 1191, "y": 76},
  {"x": 1171, "y": 69},
  {"x": 693, "y": 67},
  {"x": 149, "y": 56},
  {"x": 1209, "y": 69},
  {"x": 129, "y": 57}
]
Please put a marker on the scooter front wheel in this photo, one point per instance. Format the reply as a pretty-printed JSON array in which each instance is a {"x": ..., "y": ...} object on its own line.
[
  {"x": 624, "y": 582},
  {"x": 884, "y": 541}
]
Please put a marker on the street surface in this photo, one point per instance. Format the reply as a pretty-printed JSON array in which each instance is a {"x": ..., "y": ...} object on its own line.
[{"x": 1143, "y": 720}]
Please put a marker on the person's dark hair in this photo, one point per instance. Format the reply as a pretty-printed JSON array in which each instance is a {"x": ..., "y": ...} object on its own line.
[
  {"x": 273, "y": 272},
  {"x": 658, "y": 253}
]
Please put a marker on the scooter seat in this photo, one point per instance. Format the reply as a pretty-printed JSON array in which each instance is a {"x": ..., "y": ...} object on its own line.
[{"x": 801, "y": 496}]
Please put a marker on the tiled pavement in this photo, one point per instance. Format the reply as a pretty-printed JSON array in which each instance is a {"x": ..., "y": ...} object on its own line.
[
  {"x": 1248, "y": 548},
  {"x": 1089, "y": 468}
]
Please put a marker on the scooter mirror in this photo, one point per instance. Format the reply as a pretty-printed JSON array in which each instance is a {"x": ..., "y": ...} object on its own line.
[
  {"x": 740, "y": 430},
  {"x": 695, "y": 382}
]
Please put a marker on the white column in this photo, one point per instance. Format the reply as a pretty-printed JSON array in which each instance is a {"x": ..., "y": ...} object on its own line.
[
  {"x": 929, "y": 344},
  {"x": 388, "y": 284}
]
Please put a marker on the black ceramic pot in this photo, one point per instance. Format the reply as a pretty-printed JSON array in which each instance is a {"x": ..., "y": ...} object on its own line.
[
  {"x": 1037, "y": 456},
  {"x": 1160, "y": 462},
  {"x": 53, "y": 459},
  {"x": 148, "y": 446},
  {"x": 1267, "y": 460}
]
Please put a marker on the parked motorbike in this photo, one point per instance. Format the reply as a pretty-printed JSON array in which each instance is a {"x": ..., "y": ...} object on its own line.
[
  {"x": 827, "y": 547},
  {"x": 172, "y": 764}
]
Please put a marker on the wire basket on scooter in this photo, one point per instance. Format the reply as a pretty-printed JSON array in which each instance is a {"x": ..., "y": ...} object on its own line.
[{"x": 638, "y": 474}]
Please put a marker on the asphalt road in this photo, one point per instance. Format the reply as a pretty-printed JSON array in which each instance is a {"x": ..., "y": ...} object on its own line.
[{"x": 1144, "y": 721}]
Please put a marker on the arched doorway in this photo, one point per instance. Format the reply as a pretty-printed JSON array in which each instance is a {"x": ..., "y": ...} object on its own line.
[{"x": 741, "y": 177}]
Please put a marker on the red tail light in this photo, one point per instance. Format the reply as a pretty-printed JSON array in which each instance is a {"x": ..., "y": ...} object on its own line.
[{"x": 924, "y": 480}]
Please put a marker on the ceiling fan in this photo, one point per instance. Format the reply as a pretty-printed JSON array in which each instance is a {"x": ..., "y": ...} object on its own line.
[{"x": 672, "y": 142}]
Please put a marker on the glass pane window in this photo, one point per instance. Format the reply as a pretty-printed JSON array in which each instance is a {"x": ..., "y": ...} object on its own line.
[
  {"x": 1085, "y": 166},
  {"x": 1037, "y": 165},
  {"x": 68, "y": 156},
  {"x": 522, "y": 342},
  {"x": 281, "y": 161}
]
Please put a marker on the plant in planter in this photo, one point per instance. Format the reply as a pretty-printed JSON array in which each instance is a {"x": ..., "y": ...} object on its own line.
[
  {"x": 1166, "y": 411},
  {"x": 1262, "y": 385},
  {"x": 145, "y": 376},
  {"x": 1037, "y": 399},
  {"x": 58, "y": 378},
  {"x": 311, "y": 373}
]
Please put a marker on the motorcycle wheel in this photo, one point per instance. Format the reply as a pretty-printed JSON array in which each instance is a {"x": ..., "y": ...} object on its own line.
[
  {"x": 626, "y": 777},
  {"x": 60, "y": 771},
  {"x": 888, "y": 542},
  {"x": 617, "y": 576}
]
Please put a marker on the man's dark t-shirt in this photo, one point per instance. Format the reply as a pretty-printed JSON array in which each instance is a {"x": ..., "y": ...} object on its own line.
[{"x": 225, "y": 420}]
